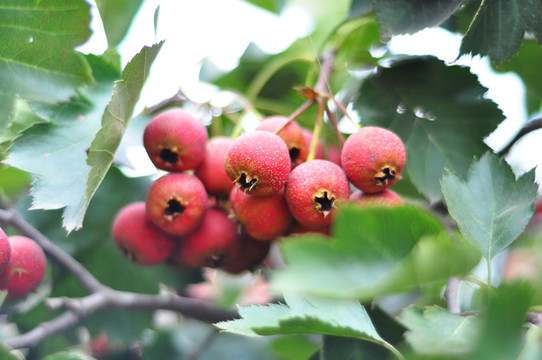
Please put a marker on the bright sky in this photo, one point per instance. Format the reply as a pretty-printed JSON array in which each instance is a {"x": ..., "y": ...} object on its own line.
[{"x": 194, "y": 33}]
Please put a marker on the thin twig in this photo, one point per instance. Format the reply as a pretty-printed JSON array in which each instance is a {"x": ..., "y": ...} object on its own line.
[
  {"x": 12, "y": 218},
  {"x": 452, "y": 295},
  {"x": 80, "y": 308},
  {"x": 529, "y": 127}
]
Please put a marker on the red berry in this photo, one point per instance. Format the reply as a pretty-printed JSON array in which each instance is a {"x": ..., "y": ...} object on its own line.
[
  {"x": 291, "y": 134},
  {"x": 263, "y": 218},
  {"x": 258, "y": 162},
  {"x": 212, "y": 243},
  {"x": 25, "y": 269},
  {"x": 250, "y": 254},
  {"x": 5, "y": 251},
  {"x": 313, "y": 190},
  {"x": 175, "y": 140},
  {"x": 373, "y": 158},
  {"x": 212, "y": 171},
  {"x": 138, "y": 238},
  {"x": 385, "y": 198},
  {"x": 176, "y": 203}
]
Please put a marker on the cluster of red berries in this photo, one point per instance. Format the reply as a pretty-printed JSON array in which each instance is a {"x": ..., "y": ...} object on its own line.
[
  {"x": 22, "y": 265},
  {"x": 224, "y": 200}
]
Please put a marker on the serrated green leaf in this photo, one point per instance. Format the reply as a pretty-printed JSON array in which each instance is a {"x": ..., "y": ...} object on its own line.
[
  {"x": 499, "y": 27},
  {"x": 491, "y": 206},
  {"x": 375, "y": 251},
  {"x": 305, "y": 315},
  {"x": 55, "y": 152},
  {"x": 37, "y": 60},
  {"x": 435, "y": 331},
  {"x": 21, "y": 119},
  {"x": 294, "y": 347},
  {"x": 438, "y": 111},
  {"x": 410, "y": 16},
  {"x": 116, "y": 117},
  {"x": 501, "y": 333},
  {"x": 117, "y": 16}
]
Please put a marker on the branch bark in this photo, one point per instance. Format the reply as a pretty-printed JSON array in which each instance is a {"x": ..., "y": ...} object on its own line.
[{"x": 529, "y": 127}]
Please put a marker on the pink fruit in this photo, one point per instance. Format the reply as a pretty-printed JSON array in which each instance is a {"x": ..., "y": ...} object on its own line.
[
  {"x": 212, "y": 171},
  {"x": 176, "y": 203},
  {"x": 25, "y": 269},
  {"x": 175, "y": 140},
  {"x": 249, "y": 255},
  {"x": 385, "y": 198},
  {"x": 291, "y": 134},
  {"x": 5, "y": 251},
  {"x": 263, "y": 218},
  {"x": 313, "y": 190},
  {"x": 212, "y": 243},
  {"x": 139, "y": 239},
  {"x": 373, "y": 159},
  {"x": 258, "y": 162}
]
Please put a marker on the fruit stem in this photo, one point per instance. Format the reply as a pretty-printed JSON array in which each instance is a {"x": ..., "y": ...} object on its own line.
[
  {"x": 334, "y": 123},
  {"x": 317, "y": 128},
  {"x": 300, "y": 110}
]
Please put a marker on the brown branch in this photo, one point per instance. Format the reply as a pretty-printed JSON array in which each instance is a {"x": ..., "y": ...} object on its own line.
[
  {"x": 452, "y": 295},
  {"x": 529, "y": 127},
  {"x": 79, "y": 308}
]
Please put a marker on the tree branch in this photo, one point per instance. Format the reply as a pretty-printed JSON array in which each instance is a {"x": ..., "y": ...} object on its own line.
[
  {"x": 11, "y": 217},
  {"x": 101, "y": 297},
  {"x": 452, "y": 295},
  {"x": 529, "y": 127}
]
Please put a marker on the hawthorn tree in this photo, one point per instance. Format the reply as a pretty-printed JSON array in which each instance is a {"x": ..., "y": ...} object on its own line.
[{"x": 451, "y": 274}]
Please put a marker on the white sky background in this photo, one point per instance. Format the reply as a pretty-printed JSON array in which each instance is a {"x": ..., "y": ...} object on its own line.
[{"x": 221, "y": 30}]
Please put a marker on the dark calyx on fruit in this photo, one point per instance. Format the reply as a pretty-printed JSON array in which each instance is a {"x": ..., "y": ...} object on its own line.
[
  {"x": 175, "y": 207},
  {"x": 245, "y": 182},
  {"x": 169, "y": 156},
  {"x": 324, "y": 202},
  {"x": 385, "y": 175},
  {"x": 294, "y": 155}
]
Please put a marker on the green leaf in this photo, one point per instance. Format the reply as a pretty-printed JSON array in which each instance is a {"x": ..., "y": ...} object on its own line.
[
  {"x": 22, "y": 118},
  {"x": 305, "y": 315},
  {"x": 55, "y": 152},
  {"x": 274, "y": 6},
  {"x": 117, "y": 16},
  {"x": 37, "y": 60},
  {"x": 336, "y": 347},
  {"x": 439, "y": 112},
  {"x": 499, "y": 26},
  {"x": 410, "y": 16},
  {"x": 501, "y": 333},
  {"x": 6, "y": 352},
  {"x": 294, "y": 347},
  {"x": 491, "y": 206},
  {"x": 375, "y": 251},
  {"x": 435, "y": 331},
  {"x": 526, "y": 64},
  {"x": 68, "y": 355},
  {"x": 115, "y": 119},
  {"x": 533, "y": 344}
]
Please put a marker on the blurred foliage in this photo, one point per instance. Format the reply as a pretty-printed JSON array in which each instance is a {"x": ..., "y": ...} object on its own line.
[{"x": 66, "y": 129}]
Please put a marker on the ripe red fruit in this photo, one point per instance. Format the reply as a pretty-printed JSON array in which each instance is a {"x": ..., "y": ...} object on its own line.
[
  {"x": 263, "y": 218},
  {"x": 139, "y": 239},
  {"x": 258, "y": 162},
  {"x": 176, "y": 203},
  {"x": 385, "y": 198},
  {"x": 25, "y": 269},
  {"x": 212, "y": 171},
  {"x": 5, "y": 251},
  {"x": 373, "y": 158},
  {"x": 250, "y": 254},
  {"x": 313, "y": 190},
  {"x": 291, "y": 134},
  {"x": 212, "y": 243},
  {"x": 175, "y": 140}
]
